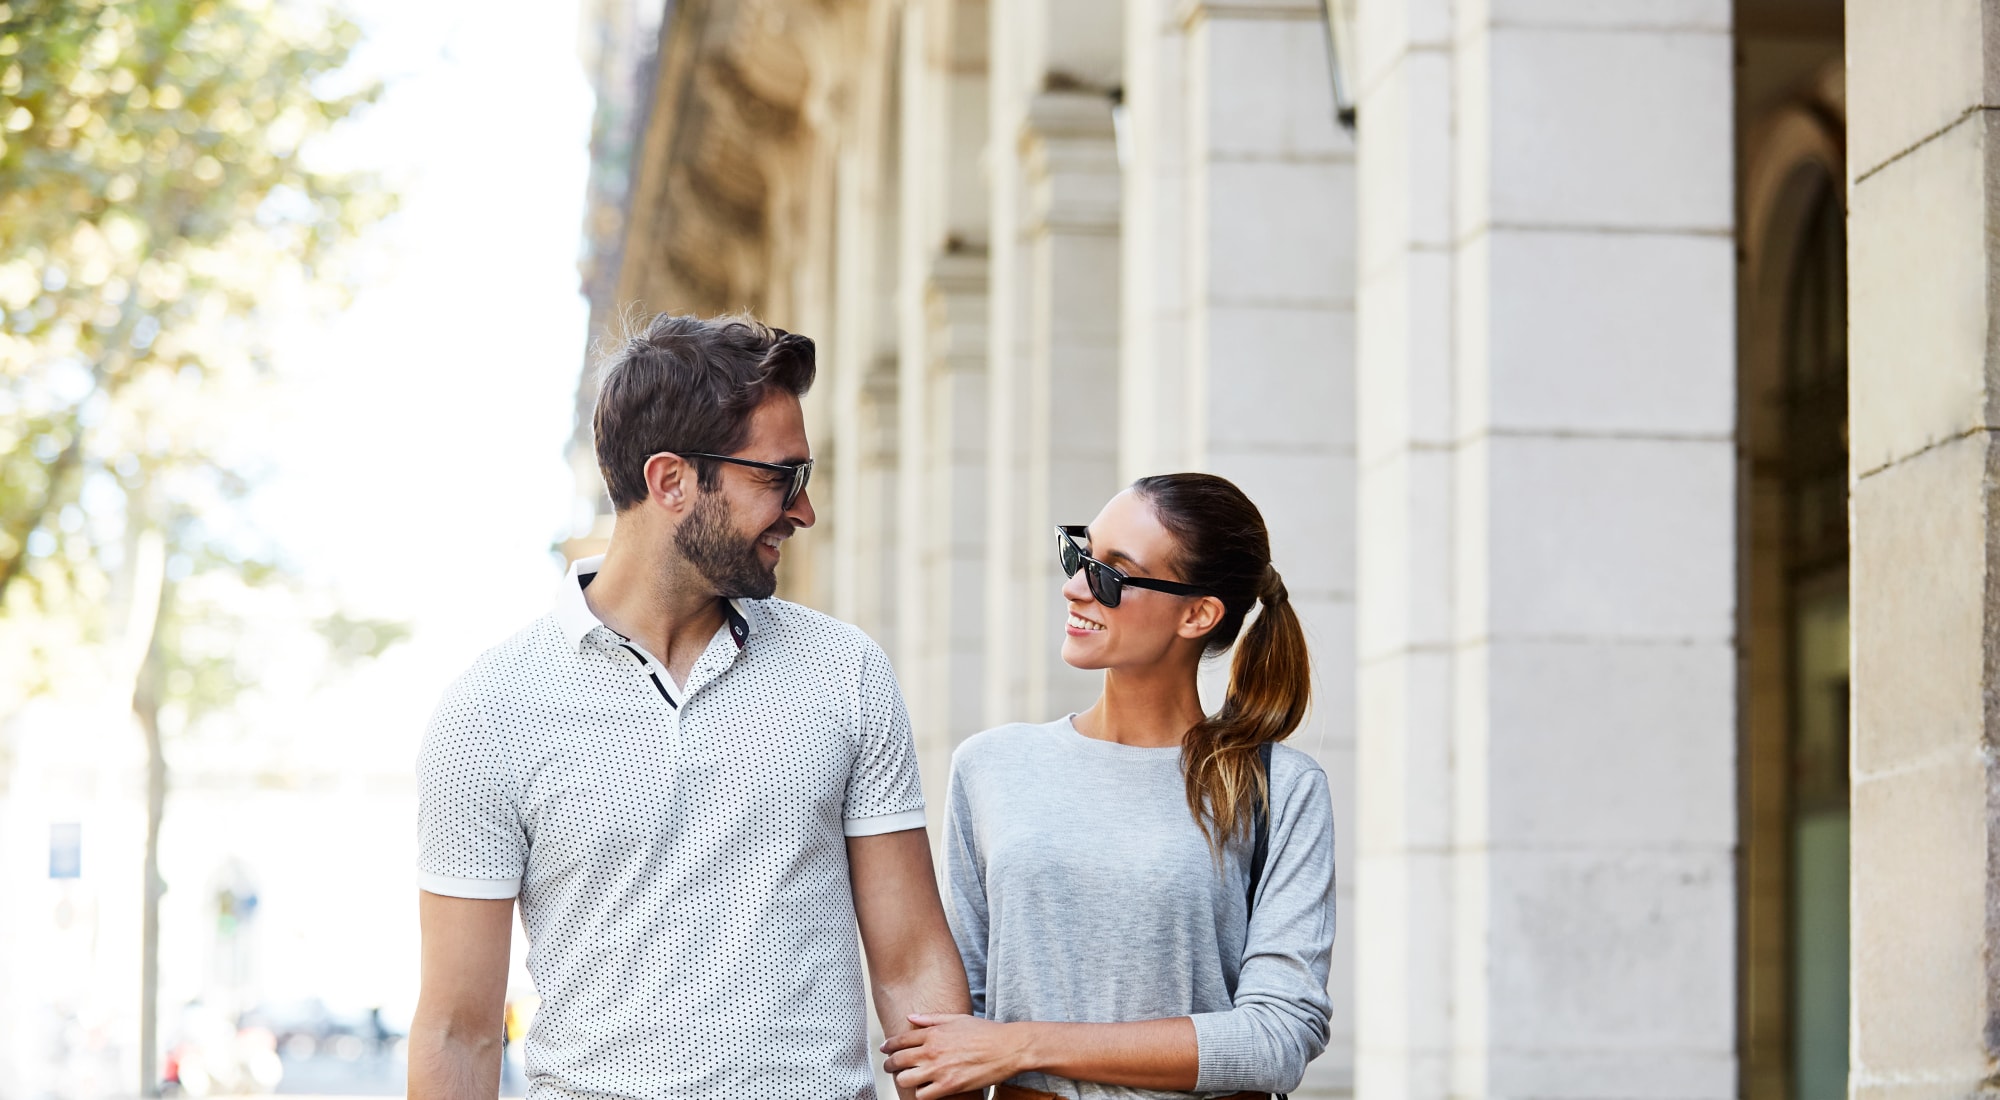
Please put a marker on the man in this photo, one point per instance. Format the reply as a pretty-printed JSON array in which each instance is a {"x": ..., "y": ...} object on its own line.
[{"x": 697, "y": 793}]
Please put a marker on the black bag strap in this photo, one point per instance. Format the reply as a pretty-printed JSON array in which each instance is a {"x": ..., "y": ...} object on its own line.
[{"x": 1260, "y": 848}]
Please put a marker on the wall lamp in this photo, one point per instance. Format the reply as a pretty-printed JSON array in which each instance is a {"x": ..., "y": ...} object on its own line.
[{"x": 1339, "y": 56}]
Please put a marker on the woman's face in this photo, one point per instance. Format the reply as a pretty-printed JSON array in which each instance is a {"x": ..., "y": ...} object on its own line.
[{"x": 1146, "y": 626}]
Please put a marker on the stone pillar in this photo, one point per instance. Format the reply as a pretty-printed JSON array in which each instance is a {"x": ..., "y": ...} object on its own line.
[
  {"x": 1267, "y": 371},
  {"x": 865, "y": 419},
  {"x": 1053, "y": 428},
  {"x": 1152, "y": 390},
  {"x": 1402, "y": 859},
  {"x": 1548, "y": 610},
  {"x": 1006, "y": 642},
  {"x": 1595, "y": 732},
  {"x": 942, "y": 303},
  {"x": 1924, "y": 395}
]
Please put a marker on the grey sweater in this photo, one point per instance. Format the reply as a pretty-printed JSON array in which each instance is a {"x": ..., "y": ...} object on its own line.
[{"x": 1081, "y": 891}]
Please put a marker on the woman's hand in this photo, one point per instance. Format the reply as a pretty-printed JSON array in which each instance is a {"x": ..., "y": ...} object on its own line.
[{"x": 948, "y": 1054}]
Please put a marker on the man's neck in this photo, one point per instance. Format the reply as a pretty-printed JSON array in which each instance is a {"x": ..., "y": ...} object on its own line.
[{"x": 657, "y": 599}]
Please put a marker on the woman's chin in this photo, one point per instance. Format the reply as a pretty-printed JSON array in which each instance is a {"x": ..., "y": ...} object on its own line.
[{"x": 1086, "y": 653}]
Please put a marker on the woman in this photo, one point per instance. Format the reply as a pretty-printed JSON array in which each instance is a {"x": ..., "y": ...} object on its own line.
[{"x": 1100, "y": 865}]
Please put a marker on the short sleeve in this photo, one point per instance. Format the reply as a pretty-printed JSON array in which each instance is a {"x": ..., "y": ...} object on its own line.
[
  {"x": 470, "y": 842},
  {"x": 884, "y": 792}
]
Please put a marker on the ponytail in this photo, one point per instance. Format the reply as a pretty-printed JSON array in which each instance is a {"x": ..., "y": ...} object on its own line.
[{"x": 1225, "y": 545}]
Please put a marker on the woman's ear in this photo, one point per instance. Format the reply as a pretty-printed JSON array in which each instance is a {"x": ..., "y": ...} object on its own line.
[{"x": 1200, "y": 617}]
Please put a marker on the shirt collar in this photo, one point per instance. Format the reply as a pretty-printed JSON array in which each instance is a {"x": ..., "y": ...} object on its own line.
[{"x": 578, "y": 620}]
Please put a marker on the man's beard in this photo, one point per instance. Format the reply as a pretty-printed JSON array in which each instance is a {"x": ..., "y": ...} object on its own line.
[{"x": 729, "y": 561}]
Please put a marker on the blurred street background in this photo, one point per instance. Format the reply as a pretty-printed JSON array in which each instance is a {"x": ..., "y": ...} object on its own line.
[
  {"x": 1616, "y": 378},
  {"x": 302, "y": 496}
]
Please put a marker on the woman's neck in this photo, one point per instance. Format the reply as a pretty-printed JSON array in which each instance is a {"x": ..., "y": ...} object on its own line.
[{"x": 1150, "y": 707}]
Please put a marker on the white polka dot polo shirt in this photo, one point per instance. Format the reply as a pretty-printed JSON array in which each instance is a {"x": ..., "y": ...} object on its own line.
[{"x": 678, "y": 850}]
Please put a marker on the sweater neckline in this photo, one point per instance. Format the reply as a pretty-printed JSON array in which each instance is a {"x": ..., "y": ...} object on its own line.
[{"x": 1087, "y": 743}]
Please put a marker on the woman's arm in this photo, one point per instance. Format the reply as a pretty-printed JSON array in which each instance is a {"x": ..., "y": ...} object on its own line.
[
  {"x": 950, "y": 1054},
  {"x": 965, "y": 887},
  {"x": 1277, "y": 1024}
]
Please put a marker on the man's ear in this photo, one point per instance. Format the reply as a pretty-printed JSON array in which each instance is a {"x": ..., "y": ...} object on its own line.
[
  {"x": 670, "y": 482},
  {"x": 1200, "y": 617}
]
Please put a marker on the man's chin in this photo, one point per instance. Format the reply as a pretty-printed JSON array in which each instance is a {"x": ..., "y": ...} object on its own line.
[{"x": 751, "y": 587}]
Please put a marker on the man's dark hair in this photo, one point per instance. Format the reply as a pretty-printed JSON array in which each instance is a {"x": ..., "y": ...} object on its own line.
[{"x": 688, "y": 384}]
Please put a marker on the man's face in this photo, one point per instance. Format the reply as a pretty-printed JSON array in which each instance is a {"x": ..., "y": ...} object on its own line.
[{"x": 734, "y": 532}]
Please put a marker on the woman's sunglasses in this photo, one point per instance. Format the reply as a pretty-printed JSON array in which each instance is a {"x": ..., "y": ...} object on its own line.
[
  {"x": 800, "y": 473},
  {"x": 1106, "y": 582}
]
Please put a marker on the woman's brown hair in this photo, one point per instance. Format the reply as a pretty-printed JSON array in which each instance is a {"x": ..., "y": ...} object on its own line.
[{"x": 1225, "y": 547}]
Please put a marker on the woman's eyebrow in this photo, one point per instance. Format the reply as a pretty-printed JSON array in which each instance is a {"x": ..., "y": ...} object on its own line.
[{"x": 1121, "y": 555}]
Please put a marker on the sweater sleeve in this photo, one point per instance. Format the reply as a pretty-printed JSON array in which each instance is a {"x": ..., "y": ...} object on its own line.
[
  {"x": 965, "y": 886},
  {"x": 1279, "y": 1022}
]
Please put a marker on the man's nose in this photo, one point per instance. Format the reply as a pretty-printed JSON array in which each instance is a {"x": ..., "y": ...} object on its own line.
[{"x": 801, "y": 512}]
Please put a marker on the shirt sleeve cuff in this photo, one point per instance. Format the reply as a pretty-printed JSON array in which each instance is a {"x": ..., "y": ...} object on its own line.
[
  {"x": 486, "y": 889},
  {"x": 885, "y": 823},
  {"x": 1225, "y": 1052}
]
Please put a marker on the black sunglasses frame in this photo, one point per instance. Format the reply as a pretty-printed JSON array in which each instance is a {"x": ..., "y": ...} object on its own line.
[
  {"x": 1107, "y": 582},
  {"x": 800, "y": 472}
]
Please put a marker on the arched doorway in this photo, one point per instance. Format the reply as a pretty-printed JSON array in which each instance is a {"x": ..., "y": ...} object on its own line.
[{"x": 1793, "y": 427}]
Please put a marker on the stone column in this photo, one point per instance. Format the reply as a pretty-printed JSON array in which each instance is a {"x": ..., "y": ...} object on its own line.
[
  {"x": 1594, "y": 686},
  {"x": 1053, "y": 428},
  {"x": 1924, "y": 393},
  {"x": 1267, "y": 371},
  {"x": 1006, "y": 375},
  {"x": 1548, "y": 662},
  {"x": 1152, "y": 390},
  {"x": 1402, "y": 857},
  {"x": 942, "y": 303},
  {"x": 1071, "y": 247},
  {"x": 865, "y": 444}
]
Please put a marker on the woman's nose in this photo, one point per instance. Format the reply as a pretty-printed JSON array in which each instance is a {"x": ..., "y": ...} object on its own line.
[{"x": 1077, "y": 588}]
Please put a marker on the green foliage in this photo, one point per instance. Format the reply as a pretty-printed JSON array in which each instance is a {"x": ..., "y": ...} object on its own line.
[
  {"x": 151, "y": 187},
  {"x": 352, "y": 640},
  {"x": 154, "y": 190}
]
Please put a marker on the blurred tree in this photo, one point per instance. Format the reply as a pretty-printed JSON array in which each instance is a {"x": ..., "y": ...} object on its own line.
[
  {"x": 154, "y": 193},
  {"x": 153, "y": 188}
]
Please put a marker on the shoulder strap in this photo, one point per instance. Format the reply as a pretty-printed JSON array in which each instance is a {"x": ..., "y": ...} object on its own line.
[{"x": 1260, "y": 848}]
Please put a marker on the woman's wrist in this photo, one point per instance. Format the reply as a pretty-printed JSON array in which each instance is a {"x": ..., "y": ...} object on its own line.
[{"x": 1026, "y": 1040}]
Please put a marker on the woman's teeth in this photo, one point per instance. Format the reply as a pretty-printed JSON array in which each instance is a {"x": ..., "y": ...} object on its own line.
[{"x": 1078, "y": 622}]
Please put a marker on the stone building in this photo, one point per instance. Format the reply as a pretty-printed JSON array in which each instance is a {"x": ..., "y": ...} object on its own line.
[{"x": 1653, "y": 686}]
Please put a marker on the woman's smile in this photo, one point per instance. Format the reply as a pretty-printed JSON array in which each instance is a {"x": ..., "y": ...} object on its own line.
[{"x": 1080, "y": 626}]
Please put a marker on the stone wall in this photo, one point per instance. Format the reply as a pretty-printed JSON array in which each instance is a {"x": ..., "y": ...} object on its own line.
[
  {"x": 1925, "y": 399},
  {"x": 1547, "y": 588}
]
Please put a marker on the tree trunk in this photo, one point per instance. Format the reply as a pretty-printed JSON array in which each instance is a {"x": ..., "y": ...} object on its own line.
[
  {"x": 146, "y": 707},
  {"x": 141, "y": 655}
]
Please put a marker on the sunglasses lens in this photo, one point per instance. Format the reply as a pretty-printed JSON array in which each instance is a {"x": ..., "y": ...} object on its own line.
[
  {"x": 1066, "y": 553},
  {"x": 800, "y": 477},
  {"x": 1104, "y": 586}
]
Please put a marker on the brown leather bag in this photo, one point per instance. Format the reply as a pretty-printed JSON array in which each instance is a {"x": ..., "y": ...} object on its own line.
[{"x": 1016, "y": 1092}]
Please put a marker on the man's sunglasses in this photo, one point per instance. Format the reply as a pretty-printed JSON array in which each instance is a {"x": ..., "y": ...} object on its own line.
[
  {"x": 800, "y": 473},
  {"x": 1107, "y": 583}
]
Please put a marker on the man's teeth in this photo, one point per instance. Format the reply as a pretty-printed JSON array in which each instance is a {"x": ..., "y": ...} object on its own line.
[
  {"x": 1081, "y": 623},
  {"x": 771, "y": 541}
]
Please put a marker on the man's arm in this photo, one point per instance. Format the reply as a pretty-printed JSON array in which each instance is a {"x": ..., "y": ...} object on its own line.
[
  {"x": 913, "y": 965},
  {"x": 455, "y": 1036}
]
